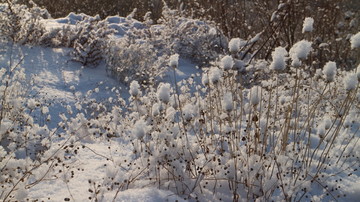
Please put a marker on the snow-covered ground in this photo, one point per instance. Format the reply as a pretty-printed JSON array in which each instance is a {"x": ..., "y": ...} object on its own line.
[
  {"x": 100, "y": 168},
  {"x": 54, "y": 79}
]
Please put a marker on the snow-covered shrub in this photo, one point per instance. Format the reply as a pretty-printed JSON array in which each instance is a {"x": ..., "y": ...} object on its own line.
[
  {"x": 281, "y": 139},
  {"x": 20, "y": 23},
  {"x": 16, "y": 121},
  {"x": 59, "y": 37},
  {"x": 92, "y": 34},
  {"x": 20, "y": 136},
  {"x": 142, "y": 53},
  {"x": 128, "y": 59},
  {"x": 190, "y": 38}
]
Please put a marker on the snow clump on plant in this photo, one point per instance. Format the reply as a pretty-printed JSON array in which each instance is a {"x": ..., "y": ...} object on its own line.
[
  {"x": 308, "y": 25},
  {"x": 300, "y": 50},
  {"x": 140, "y": 128},
  {"x": 228, "y": 102},
  {"x": 227, "y": 62},
  {"x": 355, "y": 41},
  {"x": 174, "y": 61},
  {"x": 134, "y": 89},
  {"x": 329, "y": 71},
  {"x": 279, "y": 59},
  {"x": 350, "y": 81},
  {"x": 163, "y": 92},
  {"x": 215, "y": 75},
  {"x": 255, "y": 99},
  {"x": 234, "y": 45}
]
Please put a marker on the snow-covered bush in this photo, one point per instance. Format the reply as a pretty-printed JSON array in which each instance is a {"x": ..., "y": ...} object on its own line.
[
  {"x": 284, "y": 138},
  {"x": 129, "y": 59},
  {"x": 20, "y": 23},
  {"x": 190, "y": 38},
  {"x": 59, "y": 37},
  {"x": 90, "y": 40},
  {"x": 254, "y": 129},
  {"x": 142, "y": 53},
  {"x": 20, "y": 136}
]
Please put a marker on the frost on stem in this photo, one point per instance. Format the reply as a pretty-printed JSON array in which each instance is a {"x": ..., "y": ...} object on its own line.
[
  {"x": 227, "y": 62},
  {"x": 308, "y": 25},
  {"x": 350, "y": 82},
  {"x": 358, "y": 72},
  {"x": 299, "y": 51},
  {"x": 227, "y": 102},
  {"x": 205, "y": 79},
  {"x": 174, "y": 61},
  {"x": 329, "y": 71},
  {"x": 255, "y": 99},
  {"x": 279, "y": 59},
  {"x": 355, "y": 41},
  {"x": 134, "y": 89}
]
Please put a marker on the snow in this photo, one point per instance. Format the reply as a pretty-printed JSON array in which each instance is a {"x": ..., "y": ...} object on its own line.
[
  {"x": 60, "y": 82},
  {"x": 145, "y": 195},
  {"x": 163, "y": 92},
  {"x": 227, "y": 102},
  {"x": 308, "y": 25},
  {"x": 350, "y": 81},
  {"x": 31, "y": 103},
  {"x": 214, "y": 75},
  {"x": 239, "y": 65},
  {"x": 279, "y": 59},
  {"x": 234, "y": 45},
  {"x": 140, "y": 128},
  {"x": 355, "y": 41},
  {"x": 227, "y": 62},
  {"x": 57, "y": 86},
  {"x": 205, "y": 79},
  {"x": 44, "y": 110},
  {"x": 134, "y": 89},
  {"x": 300, "y": 50},
  {"x": 255, "y": 97},
  {"x": 174, "y": 61},
  {"x": 329, "y": 71}
]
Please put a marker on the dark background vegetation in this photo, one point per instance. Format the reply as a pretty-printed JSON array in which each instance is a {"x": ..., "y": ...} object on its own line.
[
  {"x": 237, "y": 18},
  {"x": 334, "y": 19}
]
